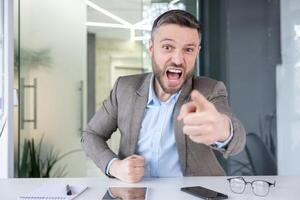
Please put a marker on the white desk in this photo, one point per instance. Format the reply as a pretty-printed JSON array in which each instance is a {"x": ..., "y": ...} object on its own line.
[{"x": 160, "y": 189}]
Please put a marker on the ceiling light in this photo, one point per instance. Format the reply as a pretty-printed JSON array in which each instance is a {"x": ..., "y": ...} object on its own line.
[
  {"x": 145, "y": 25},
  {"x": 109, "y": 25}
]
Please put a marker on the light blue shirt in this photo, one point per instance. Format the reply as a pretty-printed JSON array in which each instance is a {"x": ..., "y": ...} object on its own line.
[{"x": 156, "y": 142}]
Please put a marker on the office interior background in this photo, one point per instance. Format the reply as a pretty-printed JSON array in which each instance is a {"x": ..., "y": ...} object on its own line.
[{"x": 59, "y": 60}]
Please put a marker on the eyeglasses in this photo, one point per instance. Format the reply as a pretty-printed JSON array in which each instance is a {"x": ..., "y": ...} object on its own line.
[{"x": 259, "y": 187}]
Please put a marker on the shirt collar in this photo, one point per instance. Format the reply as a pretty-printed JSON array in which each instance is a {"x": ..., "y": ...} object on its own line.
[{"x": 154, "y": 100}]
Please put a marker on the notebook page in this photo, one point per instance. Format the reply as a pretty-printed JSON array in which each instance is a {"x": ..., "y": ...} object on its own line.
[{"x": 53, "y": 191}]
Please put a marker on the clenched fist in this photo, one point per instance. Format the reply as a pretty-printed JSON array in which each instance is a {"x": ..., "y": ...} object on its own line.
[
  {"x": 202, "y": 122},
  {"x": 130, "y": 169}
]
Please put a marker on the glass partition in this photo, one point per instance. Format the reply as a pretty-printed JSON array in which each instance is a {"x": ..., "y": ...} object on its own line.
[
  {"x": 50, "y": 63},
  {"x": 288, "y": 90}
]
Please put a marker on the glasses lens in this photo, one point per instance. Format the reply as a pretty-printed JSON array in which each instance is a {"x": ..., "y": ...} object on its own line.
[
  {"x": 260, "y": 188},
  {"x": 237, "y": 185}
]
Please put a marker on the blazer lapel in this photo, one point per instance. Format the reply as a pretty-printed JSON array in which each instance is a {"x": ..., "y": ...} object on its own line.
[
  {"x": 138, "y": 111},
  {"x": 179, "y": 135}
]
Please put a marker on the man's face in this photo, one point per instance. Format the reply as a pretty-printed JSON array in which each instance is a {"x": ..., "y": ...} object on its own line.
[{"x": 173, "y": 51}]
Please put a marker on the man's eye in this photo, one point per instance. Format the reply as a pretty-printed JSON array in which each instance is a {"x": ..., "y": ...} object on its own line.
[
  {"x": 167, "y": 47},
  {"x": 189, "y": 50}
]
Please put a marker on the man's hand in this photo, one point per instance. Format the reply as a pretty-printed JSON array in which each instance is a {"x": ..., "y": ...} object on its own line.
[
  {"x": 202, "y": 122},
  {"x": 130, "y": 169}
]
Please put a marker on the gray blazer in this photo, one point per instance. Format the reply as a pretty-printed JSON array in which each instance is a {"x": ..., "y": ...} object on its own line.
[{"x": 124, "y": 109}]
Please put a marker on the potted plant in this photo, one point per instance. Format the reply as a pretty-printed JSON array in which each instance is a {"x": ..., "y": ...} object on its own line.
[{"x": 33, "y": 164}]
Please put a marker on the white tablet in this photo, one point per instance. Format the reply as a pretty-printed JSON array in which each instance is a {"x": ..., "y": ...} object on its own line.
[{"x": 137, "y": 193}]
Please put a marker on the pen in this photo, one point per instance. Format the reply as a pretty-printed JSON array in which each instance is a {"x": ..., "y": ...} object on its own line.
[{"x": 68, "y": 190}]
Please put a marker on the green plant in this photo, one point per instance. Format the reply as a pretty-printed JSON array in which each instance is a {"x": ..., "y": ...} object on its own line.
[
  {"x": 32, "y": 57},
  {"x": 33, "y": 164}
]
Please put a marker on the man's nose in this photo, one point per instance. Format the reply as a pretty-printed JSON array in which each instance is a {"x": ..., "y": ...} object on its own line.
[{"x": 177, "y": 58}]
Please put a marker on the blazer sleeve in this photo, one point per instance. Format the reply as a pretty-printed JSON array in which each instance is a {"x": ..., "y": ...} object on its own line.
[
  {"x": 99, "y": 130},
  {"x": 219, "y": 98}
]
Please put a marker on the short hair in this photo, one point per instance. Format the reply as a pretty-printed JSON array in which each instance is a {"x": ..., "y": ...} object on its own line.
[{"x": 179, "y": 17}]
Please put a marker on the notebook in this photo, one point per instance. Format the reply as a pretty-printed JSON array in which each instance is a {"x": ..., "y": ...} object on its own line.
[{"x": 53, "y": 191}]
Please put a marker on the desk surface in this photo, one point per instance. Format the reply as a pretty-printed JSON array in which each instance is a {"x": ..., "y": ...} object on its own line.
[{"x": 162, "y": 188}]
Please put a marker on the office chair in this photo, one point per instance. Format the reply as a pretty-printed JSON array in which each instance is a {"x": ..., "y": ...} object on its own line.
[{"x": 260, "y": 158}]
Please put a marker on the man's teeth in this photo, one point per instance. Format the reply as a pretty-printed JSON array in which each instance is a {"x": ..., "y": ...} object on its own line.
[{"x": 174, "y": 71}]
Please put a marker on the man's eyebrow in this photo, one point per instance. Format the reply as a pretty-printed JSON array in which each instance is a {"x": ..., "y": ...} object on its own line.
[
  {"x": 167, "y": 39},
  {"x": 192, "y": 44},
  {"x": 171, "y": 40}
]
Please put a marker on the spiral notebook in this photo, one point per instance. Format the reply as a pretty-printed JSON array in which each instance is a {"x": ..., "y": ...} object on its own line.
[{"x": 54, "y": 191}]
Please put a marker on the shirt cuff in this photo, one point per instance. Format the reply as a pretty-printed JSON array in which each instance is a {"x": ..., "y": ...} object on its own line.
[
  {"x": 223, "y": 144},
  {"x": 108, "y": 167}
]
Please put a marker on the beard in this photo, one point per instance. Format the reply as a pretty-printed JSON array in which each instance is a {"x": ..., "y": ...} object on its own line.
[{"x": 160, "y": 72}]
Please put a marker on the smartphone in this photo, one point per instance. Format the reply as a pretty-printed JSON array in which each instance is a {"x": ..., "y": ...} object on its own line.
[{"x": 204, "y": 193}]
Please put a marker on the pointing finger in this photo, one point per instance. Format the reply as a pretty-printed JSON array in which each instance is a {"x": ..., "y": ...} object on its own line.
[
  {"x": 186, "y": 109},
  {"x": 201, "y": 102}
]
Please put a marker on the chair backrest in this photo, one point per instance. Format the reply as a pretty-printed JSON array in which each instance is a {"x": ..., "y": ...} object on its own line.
[{"x": 260, "y": 158}]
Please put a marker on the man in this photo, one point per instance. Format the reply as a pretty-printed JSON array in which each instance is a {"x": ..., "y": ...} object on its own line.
[{"x": 169, "y": 120}]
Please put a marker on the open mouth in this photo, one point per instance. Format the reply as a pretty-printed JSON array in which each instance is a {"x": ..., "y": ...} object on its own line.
[{"x": 174, "y": 76}]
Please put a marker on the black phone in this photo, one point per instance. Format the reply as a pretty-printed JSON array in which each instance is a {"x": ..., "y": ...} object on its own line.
[{"x": 204, "y": 193}]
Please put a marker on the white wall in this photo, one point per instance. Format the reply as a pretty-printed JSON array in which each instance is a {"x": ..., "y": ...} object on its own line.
[
  {"x": 6, "y": 140},
  {"x": 288, "y": 91}
]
